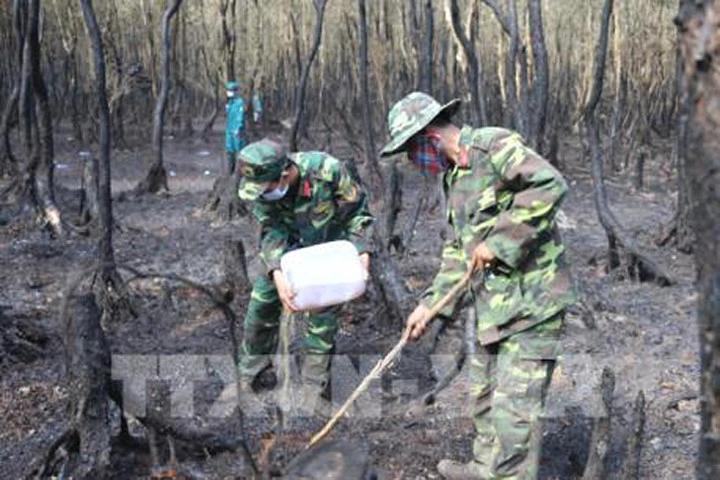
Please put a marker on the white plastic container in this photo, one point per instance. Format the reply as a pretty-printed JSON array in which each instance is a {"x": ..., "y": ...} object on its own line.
[{"x": 325, "y": 274}]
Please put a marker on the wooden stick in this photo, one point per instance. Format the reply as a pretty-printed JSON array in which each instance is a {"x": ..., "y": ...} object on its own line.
[{"x": 386, "y": 362}]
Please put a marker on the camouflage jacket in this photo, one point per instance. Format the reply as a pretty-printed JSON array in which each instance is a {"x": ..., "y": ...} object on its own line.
[
  {"x": 507, "y": 197},
  {"x": 327, "y": 205}
]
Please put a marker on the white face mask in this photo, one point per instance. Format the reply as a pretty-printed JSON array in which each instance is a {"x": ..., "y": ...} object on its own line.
[
  {"x": 276, "y": 194},
  {"x": 230, "y": 94}
]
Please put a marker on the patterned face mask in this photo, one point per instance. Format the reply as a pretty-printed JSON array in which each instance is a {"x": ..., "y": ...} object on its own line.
[{"x": 425, "y": 152}]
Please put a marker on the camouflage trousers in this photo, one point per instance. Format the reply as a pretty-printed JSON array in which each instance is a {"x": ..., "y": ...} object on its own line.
[
  {"x": 509, "y": 383},
  {"x": 261, "y": 330}
]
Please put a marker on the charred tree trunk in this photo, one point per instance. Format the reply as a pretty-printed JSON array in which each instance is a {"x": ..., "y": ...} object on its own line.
[
  {"x": 619, "y": 242},
  {"x": 8, "y": 162},
  {"x": 684, "y": 235},
  {"x": 109, "y": 276},
  {"x": 37, "y": 182},
  {"x": 229, "y": 40},
  {"x": 426, "y": 84},
  {"x": 89, "y": 209},
  {"x": 699, "y": 34},
  {"x": 541, "y": 84},
  {"x": 305, "y": 75},
  {"x": 478, "y": 100},
  {"x": 156, "y": 178},
  {"x": 370, "y": 149},
  {"x": 515, "y": 113}
]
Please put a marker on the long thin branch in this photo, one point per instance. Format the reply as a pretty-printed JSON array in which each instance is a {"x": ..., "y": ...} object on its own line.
[
  {"x": 497, "y": 10},
  {"x": 302, "y": 87}
]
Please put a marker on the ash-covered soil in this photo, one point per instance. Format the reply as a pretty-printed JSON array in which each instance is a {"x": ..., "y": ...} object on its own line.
[{"x": 645, "y": 333}]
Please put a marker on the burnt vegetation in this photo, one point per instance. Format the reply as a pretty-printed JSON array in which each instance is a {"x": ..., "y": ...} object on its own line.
[{"x": 121, "y": 232}]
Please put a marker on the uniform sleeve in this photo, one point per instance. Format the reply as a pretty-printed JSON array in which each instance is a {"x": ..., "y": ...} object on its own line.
[
  {"x": 353, "y": 209},
  {"x": 537, "y": 189},
  {"x": 453, "y": 265},
  {"x": 274, "y": 236}
]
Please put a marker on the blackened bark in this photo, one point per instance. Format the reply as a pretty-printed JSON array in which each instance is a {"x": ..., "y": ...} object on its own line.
[
  {"x": 368, "y": 130},
  {"x": 157, "y": 176},
  {"x": 699, "y": 35},
  {"x": 302, "y": 86},
  {"x": 637, "y": 263},
  {"x": 229, "y": 40},
  {"x": 684, "y": 235},
  {"x": 37, "y": 182},
  {"x": 106, "y": 258},
  {"x": 596, "y": 467},
  {"x": 541, "y": 84},
  {"x": 514, "y": 111},
  {"x": 427, "y": 74},
  {"x": 8, "y": 162},
  {"x": 468, "y": 48}
]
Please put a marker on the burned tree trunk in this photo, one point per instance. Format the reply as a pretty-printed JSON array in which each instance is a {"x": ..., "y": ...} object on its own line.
[
  {"x": 619, "y": 242},
  {"x": 89, "y": 209},
  {"x": 157, "y": 176},
  {"x": 83, "y": 450},
  {"x": 8, "y": 162},
  {"x": 305, "y": 75},
  {"x": 478, "y": 99},
  {"x": 681, "y": 228},
  {"x": 37, "y": 187},
  {"x": 541, "y": 84},
  {"x": 684, "y": 235},
  {"x": 228, "y": 35},
  {"x": 426, "y": 83},
  {"x": 699, "y": 35},
  {"x": 109, "y": 276},
  {"x": 370, "y": 150}
]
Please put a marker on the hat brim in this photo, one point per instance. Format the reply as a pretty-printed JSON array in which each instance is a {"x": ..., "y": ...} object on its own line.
[
  {"x": 250, "y": 191},
  {"x": 398, "y": 144}
]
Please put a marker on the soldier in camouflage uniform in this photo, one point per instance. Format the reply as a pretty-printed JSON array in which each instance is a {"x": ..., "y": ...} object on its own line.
[
  {"x": 502, "y": 198},
  {"x": 301, "y": 199}
]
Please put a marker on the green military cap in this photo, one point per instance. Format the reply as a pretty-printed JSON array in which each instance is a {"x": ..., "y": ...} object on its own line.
[
  {"x": 412, "y": 114},
  {"x": 231, "y": 86},
  {"x": 261, "y": 162}
]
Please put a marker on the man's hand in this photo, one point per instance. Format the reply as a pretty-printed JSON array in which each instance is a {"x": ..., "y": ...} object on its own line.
[
  {"x": 284, "y": 290},
  {"x": 482, "y": 257},
  {"x": 365, "y": 261},
  {"x": 417, "y": 321}
]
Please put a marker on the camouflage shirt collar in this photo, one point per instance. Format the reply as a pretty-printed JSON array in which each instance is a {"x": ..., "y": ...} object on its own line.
[
  {"x": 466, "y": 136},
  {"x": 304, "y": 182}
]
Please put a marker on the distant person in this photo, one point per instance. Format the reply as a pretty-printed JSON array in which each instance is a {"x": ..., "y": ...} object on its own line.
[
  {"x": 501, "y": 198},
  {"x": 234, "y": 124},
  {"x": 300, "y": 199}
]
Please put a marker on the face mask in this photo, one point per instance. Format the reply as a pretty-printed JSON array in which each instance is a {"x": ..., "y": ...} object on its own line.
[
  {"x": 425, "y": 152},
  {"x": 230, "y": 94},
  {"x": 276, "y": 194}
]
